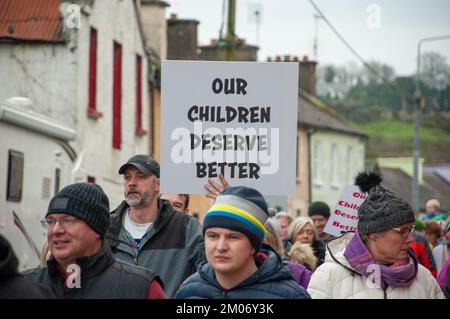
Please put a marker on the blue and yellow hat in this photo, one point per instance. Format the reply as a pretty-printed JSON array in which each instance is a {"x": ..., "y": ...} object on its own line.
[{"x": 242, "y": 209}]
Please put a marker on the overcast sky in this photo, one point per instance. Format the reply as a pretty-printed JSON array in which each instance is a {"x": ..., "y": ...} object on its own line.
[{"x": 287, "y": 27}]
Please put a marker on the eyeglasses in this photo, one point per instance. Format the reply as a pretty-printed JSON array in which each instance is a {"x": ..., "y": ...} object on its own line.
[
  {"x": 404, "y": 233},
  {"x": 64, "y": 222}
]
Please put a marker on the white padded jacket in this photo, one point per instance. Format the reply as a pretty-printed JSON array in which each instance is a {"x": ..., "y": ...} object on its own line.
[{"x": 336, "y": 279}]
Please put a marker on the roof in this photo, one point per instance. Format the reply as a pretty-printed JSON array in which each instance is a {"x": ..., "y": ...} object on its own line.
[
  {"x": 31, "y": 20},
  {"x": 314, "y": 113},
  {"x": 442, "y": 170},
  {"x": 433, "y": 186},
  {"x": 156, "y": 2}
]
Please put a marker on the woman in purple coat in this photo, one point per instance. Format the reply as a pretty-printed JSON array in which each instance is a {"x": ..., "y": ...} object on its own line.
[{"x": 273, "y": 238}]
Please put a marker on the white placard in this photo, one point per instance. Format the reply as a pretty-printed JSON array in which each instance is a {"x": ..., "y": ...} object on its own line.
[
  {"x": 236, "y": 118},
  {"x": 345, "y": 216}
]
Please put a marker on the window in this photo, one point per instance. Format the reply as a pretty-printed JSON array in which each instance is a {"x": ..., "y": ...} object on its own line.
[
  {"x": 151, "y": 88},
  {"x": 46, "y": 186},
  {"x": 117, "y": 96},
  {"x": 334, "y": 165},
  {"x": 139, "y": 130},
  {"x": 298, "y": 158},
  {"x": 57, "y": 179},
  {"x": 15, "y": 176},
  {"x": 317, "y": 169},
  {"x": 350, "y": 164},
  {"x": 92, "y": 104}
]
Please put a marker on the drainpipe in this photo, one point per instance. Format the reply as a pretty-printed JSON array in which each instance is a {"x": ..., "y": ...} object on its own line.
[{"x": 310, "y": 132}]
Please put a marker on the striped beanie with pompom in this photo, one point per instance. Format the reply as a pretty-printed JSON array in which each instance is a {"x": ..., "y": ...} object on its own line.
[{"x": 242, "y": 209}]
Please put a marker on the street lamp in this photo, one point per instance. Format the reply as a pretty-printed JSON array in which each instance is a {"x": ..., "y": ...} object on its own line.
[{"x": 415, "y": 194}]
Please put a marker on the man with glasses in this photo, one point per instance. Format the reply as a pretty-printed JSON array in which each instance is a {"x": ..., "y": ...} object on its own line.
[
  {"x": 81, "y": 265},
  {"x": 375, "y": 262}
]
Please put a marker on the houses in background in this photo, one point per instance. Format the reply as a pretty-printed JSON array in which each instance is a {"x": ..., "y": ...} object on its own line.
[
  {"x": 434, "y": 180},
  {"x": 91, "y": 69},
  {"x": 96, "y": 72},
  {"x": 329, "y": 150}
]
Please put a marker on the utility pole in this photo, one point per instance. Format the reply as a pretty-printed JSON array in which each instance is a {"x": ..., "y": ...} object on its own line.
[
  {"x": 231, "y": 36},
  {"x": 415, "y": 191},
  {"x": 316, "y": 32},
  {"x": 258, "y": 19}
]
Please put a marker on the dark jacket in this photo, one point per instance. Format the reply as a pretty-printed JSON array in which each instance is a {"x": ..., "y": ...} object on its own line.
[
  {"x": 299, "y": 272},
  {"x": 319, "y": 249},
  {"x": 447, "y": 287},
  {"x": 287, "y": 244},
  {"x": 272, "y": 280},
  {"x": 101, "y": 277},
  {"x": 172, "y": 247},
  {"x": 12, "y": 283},
  {"x": 423, "y": 253}
]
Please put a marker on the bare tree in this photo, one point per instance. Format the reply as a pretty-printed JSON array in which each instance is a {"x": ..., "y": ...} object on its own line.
[{"x": 435, "y": 71}]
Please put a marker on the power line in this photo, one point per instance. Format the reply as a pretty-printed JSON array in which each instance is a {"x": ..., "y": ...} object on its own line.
[{"x": 358, "y": 56}]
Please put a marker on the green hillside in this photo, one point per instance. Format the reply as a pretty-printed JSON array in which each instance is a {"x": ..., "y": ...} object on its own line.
[{"x": 395, "y": 139}]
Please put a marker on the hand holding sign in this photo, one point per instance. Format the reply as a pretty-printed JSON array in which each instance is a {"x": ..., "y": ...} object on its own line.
[{"x": 214, "y": 188}]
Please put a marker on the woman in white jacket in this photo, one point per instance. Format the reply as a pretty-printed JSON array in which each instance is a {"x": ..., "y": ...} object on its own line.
[{"x": 375, "y": 261}]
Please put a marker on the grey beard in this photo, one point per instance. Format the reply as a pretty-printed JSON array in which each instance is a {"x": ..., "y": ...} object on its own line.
[
  {"x": 138, "y": 202},
  {"x": 134, "y": 202}
]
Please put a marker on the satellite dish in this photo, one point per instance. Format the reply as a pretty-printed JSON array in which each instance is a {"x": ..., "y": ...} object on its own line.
[{"x": 254, "y": 12}]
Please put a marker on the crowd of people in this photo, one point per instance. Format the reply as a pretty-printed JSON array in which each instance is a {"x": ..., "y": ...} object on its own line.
[{"x": 149, "y": 247}]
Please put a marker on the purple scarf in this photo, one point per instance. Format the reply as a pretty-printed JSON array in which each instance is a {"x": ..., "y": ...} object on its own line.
[{"x": 360, "y": 259}]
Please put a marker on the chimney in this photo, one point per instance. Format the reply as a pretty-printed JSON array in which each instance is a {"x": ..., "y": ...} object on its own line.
[
  {"x": 153, "y": 15},
  {"x": 307, "y": 75},
  {"x": 173, "y": 16},
  {"x": 182, "y": 38}
]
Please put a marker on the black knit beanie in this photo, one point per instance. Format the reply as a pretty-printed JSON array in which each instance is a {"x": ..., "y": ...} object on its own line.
[
  {"x": 86, "y": 201},
  {"x": 382, "y": 210},
  {"x": 319, "y": 208}
]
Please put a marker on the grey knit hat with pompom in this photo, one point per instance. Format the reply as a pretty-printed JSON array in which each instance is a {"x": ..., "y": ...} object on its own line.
[{"x": 382, "y": 210}]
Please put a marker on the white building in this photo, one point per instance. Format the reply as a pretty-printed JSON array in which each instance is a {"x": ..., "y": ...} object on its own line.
[{"x": 86, "y": 66}]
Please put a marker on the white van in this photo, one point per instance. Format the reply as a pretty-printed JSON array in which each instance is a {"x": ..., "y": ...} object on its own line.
[{"x": 36, "y": 161}]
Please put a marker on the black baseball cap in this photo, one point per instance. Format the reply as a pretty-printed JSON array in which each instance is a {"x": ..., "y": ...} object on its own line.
[{"x": 147, "y": 165}]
